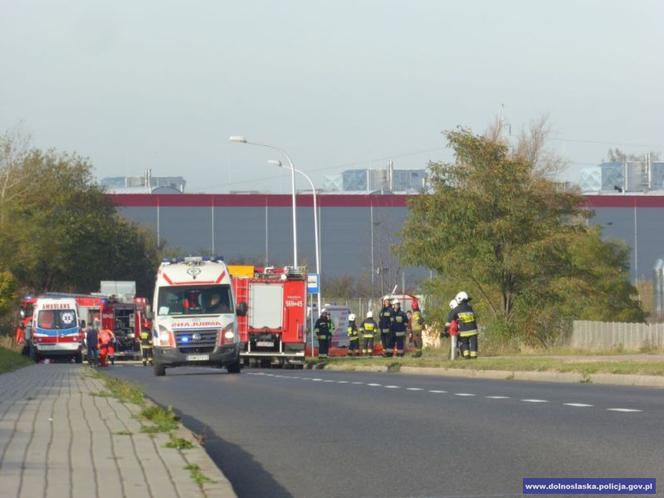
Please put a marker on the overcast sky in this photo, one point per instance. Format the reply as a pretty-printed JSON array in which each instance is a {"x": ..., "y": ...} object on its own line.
[{"x": 160, "y": 84}]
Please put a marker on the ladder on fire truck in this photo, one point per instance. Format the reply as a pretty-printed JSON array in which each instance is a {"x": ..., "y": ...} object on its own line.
[{"x": 242, "y": 288}]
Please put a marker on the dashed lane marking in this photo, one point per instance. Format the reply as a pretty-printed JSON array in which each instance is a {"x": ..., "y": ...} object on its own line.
[
  {"x": 414, "y": 389},
  {"x": 464, "y": 394},
  {"x": 374, "y": 385},
  {"x": 436, "y": 391},
  {"x": 578, "y": 405},
  {"x": 497, "y": 397},
  {"x": 342, "y": 382},
  {"x": 357, "y": 383},
  {"x": 392, "y": 387},
  {"x": 624, "y": 410},
  {"x": 535, "y": 400}
]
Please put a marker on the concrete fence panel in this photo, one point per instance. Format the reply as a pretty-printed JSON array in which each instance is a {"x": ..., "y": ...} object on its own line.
[{"x": 603, "y": 336}]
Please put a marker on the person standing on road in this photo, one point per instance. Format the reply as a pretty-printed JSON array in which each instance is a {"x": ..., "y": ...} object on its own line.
[
  {"x": 467, "y": 325},
  {"x": 146, "y": 345},
  {"x": 91, "y": 341},
  {"x": 398, "y": 326},
  {"x": 416, "y": 327},
  {"x": 385, "y": 323},
  {"x": 368, "y": 330},
  {"x": 106, "y": 349},
  {"x": 323, "y": 330},
  {"x": 353, "y": 336}
]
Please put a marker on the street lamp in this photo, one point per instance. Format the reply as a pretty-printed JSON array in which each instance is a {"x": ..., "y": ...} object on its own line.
[
  {"x": 316, "y": 234},
  {"x": 241, "y": 140}
]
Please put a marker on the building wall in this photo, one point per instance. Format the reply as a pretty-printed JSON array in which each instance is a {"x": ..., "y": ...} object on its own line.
[{"x": 258, "y": 228}]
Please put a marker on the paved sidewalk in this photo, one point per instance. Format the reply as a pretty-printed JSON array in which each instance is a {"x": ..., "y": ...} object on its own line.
[{"x": 59, "y": 440}]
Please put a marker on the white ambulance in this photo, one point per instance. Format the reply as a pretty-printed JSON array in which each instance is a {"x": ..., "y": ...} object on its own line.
[
  {"x": 55, "y": 330},
  {"x": 195, "y": 315}
]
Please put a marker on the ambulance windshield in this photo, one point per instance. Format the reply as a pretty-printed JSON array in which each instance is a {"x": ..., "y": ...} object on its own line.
[
  {"x": 56, "y": 319},
  {"x": 195, "y": 300}
]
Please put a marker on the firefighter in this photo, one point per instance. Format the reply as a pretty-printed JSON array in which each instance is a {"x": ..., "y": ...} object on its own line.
[
  {"x": 146, "y": 345},
  {"x": 467, "y": 324},
  {"x": 416, "y": 327},
  {"x": 106, "y": 349},
  {"x": 384, "y": 323},
  {"x": 368, "y": 329},
  {"x": 353, "y": 336},
  {"x": 323, "y": 330},
  {"x": 398, "y": 326}
]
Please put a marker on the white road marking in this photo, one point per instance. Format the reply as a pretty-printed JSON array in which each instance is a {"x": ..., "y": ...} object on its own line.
[
  {"x": 357, "y": 383},
  {"x": 342, "y": 382},
  {"x": 435, "y": 391},
  {"x": 579, "y": 405},
  {"x": 374, "y": 385},
  {"x": 535, "y": 400},
  {"x": 328, "y": 380},
  {"x": 392, "y": 387},
  {"x": 497, "y": 397},
  {"x": 317, "y": 380},
  {"x": 414, "y": 389},
  {"x": 624, "y": 410},
  {"x": 464, "y": 394}
]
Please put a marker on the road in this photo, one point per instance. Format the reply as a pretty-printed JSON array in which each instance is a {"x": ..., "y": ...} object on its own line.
[{"x": 335, "y": 434}]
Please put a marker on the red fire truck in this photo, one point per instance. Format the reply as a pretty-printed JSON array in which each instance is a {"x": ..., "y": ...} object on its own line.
[{"x": 274, "y": 330}]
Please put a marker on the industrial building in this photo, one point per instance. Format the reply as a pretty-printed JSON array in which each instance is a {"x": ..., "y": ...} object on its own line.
[{"x": 357, "y": 231}]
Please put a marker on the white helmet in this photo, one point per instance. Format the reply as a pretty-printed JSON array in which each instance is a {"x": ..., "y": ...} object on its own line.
[
  {"x": 369, "y": 314},
  {"x": 351, "y": 317},
  {"x": 396, "y": 301},
  {"x": 453, "y": 304},
  {"x": 461, "y": 297}
]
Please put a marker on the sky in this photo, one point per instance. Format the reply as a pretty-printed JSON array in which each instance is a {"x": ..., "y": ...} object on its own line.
[{"x": 338, "y": 84}]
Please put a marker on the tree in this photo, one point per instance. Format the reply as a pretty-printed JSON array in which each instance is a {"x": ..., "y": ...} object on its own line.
[{"x": 494, "y": 224}]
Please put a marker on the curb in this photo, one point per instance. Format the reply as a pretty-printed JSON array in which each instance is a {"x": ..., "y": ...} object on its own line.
[{"x": 563, "y": 377}]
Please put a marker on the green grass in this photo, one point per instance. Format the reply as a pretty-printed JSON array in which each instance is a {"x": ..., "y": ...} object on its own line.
[
  {"x": 120, "y": 389},
  {"x": 160, "y": 419},
  {"x": 197, "y": 475},
  {"x": 510, "y": 364},
  {"x": 11, "y": 360},
  {"x": 179, "y": 443}
]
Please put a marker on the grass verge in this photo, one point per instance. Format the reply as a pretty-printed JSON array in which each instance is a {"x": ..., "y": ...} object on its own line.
[
  {"x": 179, "y": 443},
  {"x": 510, "y": 364},
  {"x": 11, "y": 360}
]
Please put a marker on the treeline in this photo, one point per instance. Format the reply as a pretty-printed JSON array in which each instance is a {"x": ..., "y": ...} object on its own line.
[
  {"x": 58, "y": 231},
  {"x": 495, "y": 223}
]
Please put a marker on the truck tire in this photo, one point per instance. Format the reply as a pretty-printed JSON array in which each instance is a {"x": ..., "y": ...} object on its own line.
[
  {"x": 159, "y": 370},
  {"x": 34, "y": 355},
  {"x": 235, "y": 367}
]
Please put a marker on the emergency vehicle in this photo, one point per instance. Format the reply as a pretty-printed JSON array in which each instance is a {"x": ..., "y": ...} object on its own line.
[
  {"x": 273, "y": 332},
  {"x": 55, "y": 330},
  {"x": 195, "y": 315},
  {"x": 26, "y": 308}
]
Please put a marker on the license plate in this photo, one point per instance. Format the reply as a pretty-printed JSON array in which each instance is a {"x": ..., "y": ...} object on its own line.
[
  {"x": 198, "y": 357},
  {"x": 265, "y": 344}
]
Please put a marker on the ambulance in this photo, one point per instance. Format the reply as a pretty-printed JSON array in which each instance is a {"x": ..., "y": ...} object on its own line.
[
  {"x": 195, "y": 315},
  {"x": 56, "y": 330}
]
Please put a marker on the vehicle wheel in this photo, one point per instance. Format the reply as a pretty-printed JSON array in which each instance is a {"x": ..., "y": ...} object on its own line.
[
  {"x": 78, "y": 358},
  {"x": 235, "y": 367},
  {"x": 159, "y": 370}
]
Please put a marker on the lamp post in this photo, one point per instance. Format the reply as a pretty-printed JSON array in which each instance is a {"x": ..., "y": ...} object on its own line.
[
  {"x": 242, "y": 140},
  {"x": 316, "y": 234}
]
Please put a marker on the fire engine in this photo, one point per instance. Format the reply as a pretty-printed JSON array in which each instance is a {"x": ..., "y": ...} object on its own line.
[{"x": 274, "y": 330}]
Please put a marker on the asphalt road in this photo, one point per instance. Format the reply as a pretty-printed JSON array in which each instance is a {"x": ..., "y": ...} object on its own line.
[{"x": 333, "y": 434}]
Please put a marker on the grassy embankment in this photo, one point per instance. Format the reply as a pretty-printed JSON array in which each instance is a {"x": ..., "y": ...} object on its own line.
[
  {"x": 574, "y": 363},
  {"x": 10, "y": 357}
]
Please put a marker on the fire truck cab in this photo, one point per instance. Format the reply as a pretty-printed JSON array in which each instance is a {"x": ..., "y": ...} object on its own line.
[{"x": 195, "y": 315}]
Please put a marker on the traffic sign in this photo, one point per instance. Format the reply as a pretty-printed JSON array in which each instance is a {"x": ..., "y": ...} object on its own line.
[{"x": 312, "y": 283}]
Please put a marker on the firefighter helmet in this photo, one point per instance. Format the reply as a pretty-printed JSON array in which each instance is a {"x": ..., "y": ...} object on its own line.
[
  {"x": 453, "y": 304},
  {"x": 369, "y": 314},
  {"x": 461, "y": 297},
  {"x": 396, "y": 301},
  {"x": 351, "y": 317}
]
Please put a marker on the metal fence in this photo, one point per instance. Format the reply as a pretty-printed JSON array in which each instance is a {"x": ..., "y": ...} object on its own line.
[{"x": 603, "y": 336}]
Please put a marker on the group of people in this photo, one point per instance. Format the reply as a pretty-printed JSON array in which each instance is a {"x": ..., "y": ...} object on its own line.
[
  {"x": 396, "y": 327},
  {"x": 100, "y": 343}
]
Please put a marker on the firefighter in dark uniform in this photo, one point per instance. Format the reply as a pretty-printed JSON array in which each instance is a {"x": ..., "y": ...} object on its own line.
[
  {"x": 368, "y": 330},
  {"x": 146, "y": 345},
  {"x": 353, "y": 336},
  {"x": 398, "y": 326},
  {"x": 467, "y": 325},
  {"x": 385, "y": 323},
  {"x": 323, "y": 330}
]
